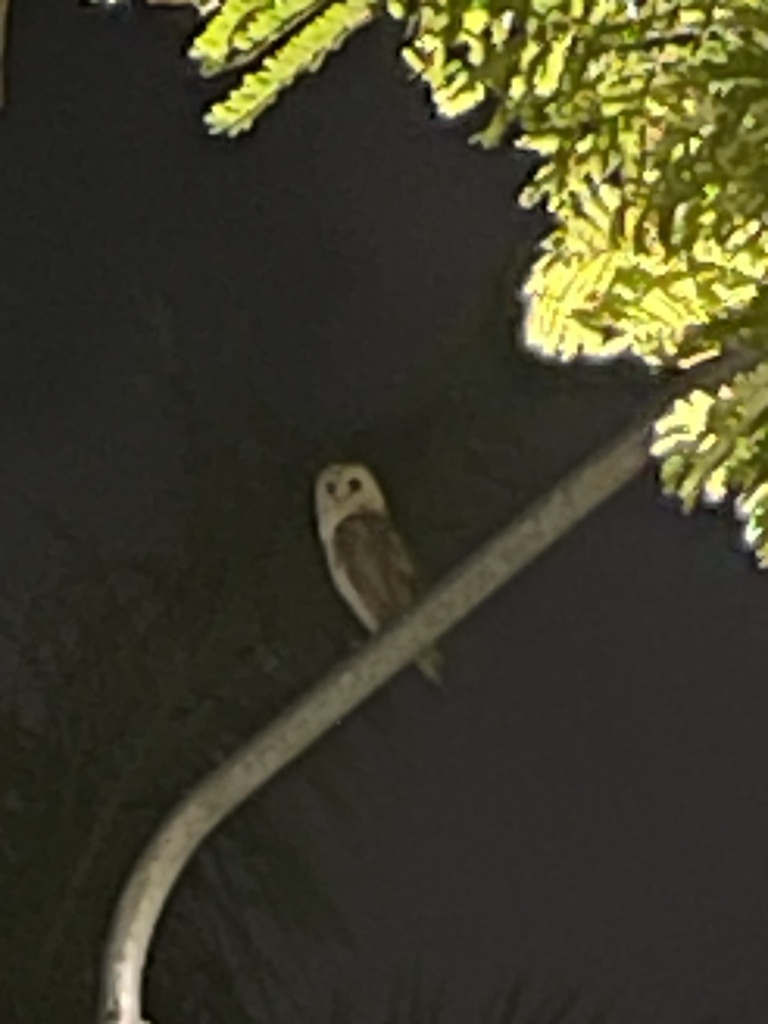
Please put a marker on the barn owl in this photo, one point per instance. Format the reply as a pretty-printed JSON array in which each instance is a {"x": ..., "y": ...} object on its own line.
[{"x": 369, "y": 564}]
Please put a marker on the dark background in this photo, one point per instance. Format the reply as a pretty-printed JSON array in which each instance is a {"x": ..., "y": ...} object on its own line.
[{"x": 585, "y": 806}]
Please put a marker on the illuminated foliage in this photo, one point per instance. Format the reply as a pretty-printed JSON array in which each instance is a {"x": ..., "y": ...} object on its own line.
[
  {"x": 287, "y": 38},
  {"x": 713, "y": 445},
  {"x": 652, "y": 118}
]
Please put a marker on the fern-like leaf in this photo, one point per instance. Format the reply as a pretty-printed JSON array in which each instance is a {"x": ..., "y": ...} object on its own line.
[
  {"x": 305, "y": 51},
  {"x": 715, "y": 446}
]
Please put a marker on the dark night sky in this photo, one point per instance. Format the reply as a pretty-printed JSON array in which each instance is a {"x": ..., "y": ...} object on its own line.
[{"x": 589, "y": 799}]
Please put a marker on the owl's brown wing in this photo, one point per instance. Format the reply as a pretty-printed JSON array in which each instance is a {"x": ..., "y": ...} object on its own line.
[{"x": 371, "y": 553}]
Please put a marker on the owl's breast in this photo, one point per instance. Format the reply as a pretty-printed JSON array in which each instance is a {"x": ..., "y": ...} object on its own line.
[{"x": 348, "y": 590}]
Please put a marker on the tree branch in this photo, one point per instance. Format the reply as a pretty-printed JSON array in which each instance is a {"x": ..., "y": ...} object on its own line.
[{"x": 353, "y": 681}]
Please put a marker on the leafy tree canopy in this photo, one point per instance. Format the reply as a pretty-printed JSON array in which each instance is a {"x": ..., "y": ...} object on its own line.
[{"x": 652, "y": 119}]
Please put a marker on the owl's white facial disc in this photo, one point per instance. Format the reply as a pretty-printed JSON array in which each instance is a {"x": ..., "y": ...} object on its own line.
[{"x": 342, "y": 490}]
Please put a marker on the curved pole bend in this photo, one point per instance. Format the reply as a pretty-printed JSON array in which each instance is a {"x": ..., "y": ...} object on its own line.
[{"x": 353, "y": 681}]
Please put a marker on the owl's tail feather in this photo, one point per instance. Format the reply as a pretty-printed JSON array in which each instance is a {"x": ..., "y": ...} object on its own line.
[{"x": 431, "y": 665}]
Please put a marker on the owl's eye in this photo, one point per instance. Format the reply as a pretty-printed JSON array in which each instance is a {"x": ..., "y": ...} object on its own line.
[
  {"x": 354, "y": 484},
  {"x": 330, "y": 487}
]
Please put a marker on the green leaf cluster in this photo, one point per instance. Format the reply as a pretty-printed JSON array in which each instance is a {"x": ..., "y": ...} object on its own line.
[
  {"x": 652, "y": 119},
  {"x": 285, "y": 38},
  {"x": 653, "y": 124},
  {"x": 716, "y": 445}
]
